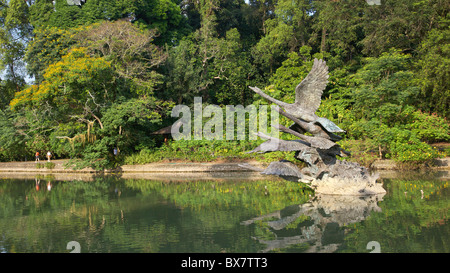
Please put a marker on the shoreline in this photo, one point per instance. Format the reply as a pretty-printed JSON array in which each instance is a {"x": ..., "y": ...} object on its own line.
[
  {"x": 183, "y": 167},
  {"x": 157, "y": 167}
]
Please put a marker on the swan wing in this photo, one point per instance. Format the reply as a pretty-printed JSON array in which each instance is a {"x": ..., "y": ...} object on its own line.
[{"x": 308, "y": 94}]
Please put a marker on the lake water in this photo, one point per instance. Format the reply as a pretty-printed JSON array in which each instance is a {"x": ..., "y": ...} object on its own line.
[{"x": 112, "y": 214}]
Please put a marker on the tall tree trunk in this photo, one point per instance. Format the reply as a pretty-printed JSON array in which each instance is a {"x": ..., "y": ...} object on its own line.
[{"x": 13, "y": 75}]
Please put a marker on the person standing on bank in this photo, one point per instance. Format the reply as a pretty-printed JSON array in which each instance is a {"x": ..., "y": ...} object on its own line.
[
  {"x": 37, "y": 156},
  {"x": 49, "y": 155}
]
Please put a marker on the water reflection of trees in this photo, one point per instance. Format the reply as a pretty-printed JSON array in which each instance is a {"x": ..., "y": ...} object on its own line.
[
  {"x": 259, "y": 196},
  {"x": 110, "y": 214},
  {"x": 414, "y": 218},
  {"x": 34, "y": 219}
]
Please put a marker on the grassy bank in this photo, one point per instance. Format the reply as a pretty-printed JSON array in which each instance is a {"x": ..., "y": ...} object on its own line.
[
  {"x": 408, "y": 156},
  {"x": 234, "y": 151},
  {"x": 204, "y": 151}
]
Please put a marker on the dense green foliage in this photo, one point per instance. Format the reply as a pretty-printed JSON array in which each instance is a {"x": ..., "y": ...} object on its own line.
[{"x": 84, "y": 80}]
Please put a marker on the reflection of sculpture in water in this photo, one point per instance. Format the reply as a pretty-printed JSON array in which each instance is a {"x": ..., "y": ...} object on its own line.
[
  {"x": 323, "y": 230},
  {"x": 318, "y": 149}
]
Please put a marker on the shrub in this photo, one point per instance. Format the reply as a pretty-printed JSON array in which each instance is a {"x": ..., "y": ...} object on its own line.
[
  {"x": 362, "y": 152},
  {"x": 49, "y": 165},
  {"x": 407, "y": 147},
  {"x": 429, "y": 128},
  {"x": 197, "y": 151}
]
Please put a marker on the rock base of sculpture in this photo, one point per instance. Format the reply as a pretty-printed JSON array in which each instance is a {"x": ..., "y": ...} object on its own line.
[
  {"x": 346, "y": 186},
  {"x": 341, "y": 178},
  {"x": 347, "y": 178}
]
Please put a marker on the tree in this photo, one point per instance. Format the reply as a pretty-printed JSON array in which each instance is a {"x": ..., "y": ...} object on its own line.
[
  {"x": 164, "y": 16},
  {"x": 386, "y": 87},
  {"x": 286, "y": 32},
  {"x": 205, "y": 64},
  {"x": 12, "y": 139},
  {"x": 384, "y": 112},
  {"x": 75, "y": 84},
  {"x": 7, "y": 90},
  {"x": 232, "y": 71},
  {"x": 127, "y": 124},
  {"x": 73, "y": 91},
  {"x": 14, "y": 34},
  {"x": 97, "y": 97},
  {"x": 296, "y": 14},
  {"x": 432, "y": 70},
  {"x": 129, "y": 49},
  {"x": 87, "y": 108},
  {"x": 184, "y": 71},
  {"x": 16, "y": 18},
  {"x": 41, "y": 12},
  {"x": 58, "y": 13},
  {"x": 47, "y": 47},
  {"x": 399, "y": 24},
  {"x": 265, "y": 11},
  {"x": 269, "y": 52},
  {"x": 64, "y": 16},
  {"x": 337, "y": 27}
]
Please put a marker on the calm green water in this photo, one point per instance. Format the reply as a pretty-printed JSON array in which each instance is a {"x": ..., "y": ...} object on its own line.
[{"x": 117, "y": 215}]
